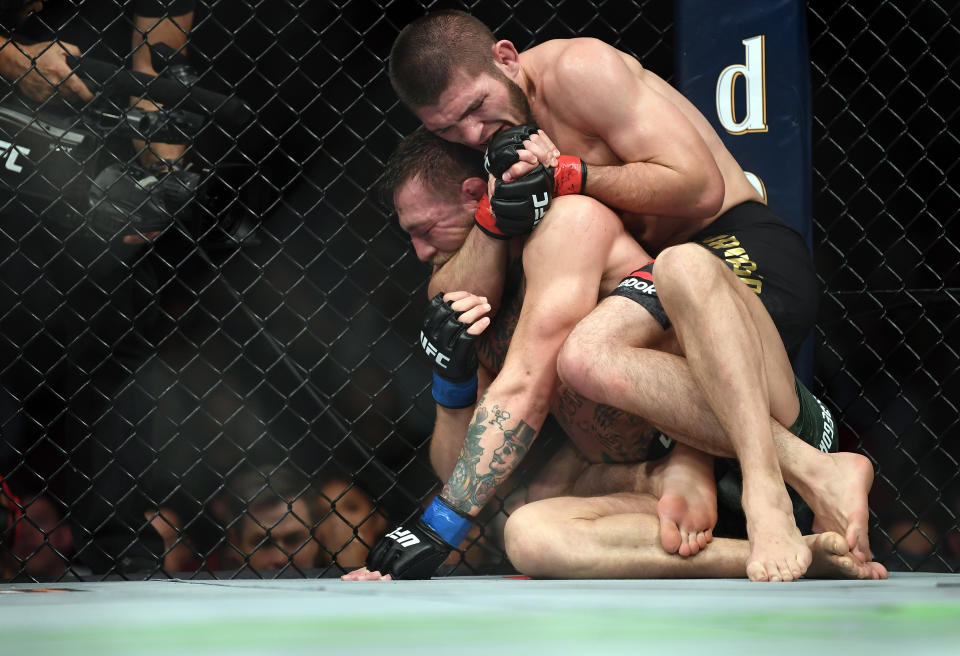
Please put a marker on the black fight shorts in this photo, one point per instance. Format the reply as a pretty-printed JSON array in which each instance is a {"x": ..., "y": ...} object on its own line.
[{"x": 766, "y": 254}]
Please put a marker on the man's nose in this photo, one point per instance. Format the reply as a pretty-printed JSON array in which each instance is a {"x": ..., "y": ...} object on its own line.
[
  {"x": 423, "y": 250},
  {"x": 472, "y": 131}
]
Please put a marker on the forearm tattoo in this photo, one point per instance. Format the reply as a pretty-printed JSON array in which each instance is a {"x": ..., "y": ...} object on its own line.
[{"x": 470, "y": 485}]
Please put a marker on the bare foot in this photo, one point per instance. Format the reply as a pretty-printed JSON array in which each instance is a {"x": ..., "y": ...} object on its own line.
[
  {"x": 839, "y": 501},
  {"x": 685, "y": 485},
  {"x": 777, "y": 550},
  {"x": 832, "y": 560},
  {"x": 363, "y": 574}
]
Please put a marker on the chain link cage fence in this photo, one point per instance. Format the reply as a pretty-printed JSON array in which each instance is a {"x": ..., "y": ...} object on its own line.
[{"x": 208, "y": 322}]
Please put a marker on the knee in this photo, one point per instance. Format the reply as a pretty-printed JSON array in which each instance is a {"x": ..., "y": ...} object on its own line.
[
  {"x": 527, "y": 541},
  {"x": 686, "y": 271}
]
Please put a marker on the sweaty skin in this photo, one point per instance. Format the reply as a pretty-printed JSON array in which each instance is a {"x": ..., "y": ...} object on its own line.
[{"x": 655, "y": 158}]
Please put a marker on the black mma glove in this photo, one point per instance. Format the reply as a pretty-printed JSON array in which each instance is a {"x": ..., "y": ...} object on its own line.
[
  {"x": 569, "y": 176},
  {"x": 502, "y": 151},
  {"x": 514, "y": 217},
  {"x": 451, "y": 349},
  {"x": 417, "y": 552},
  {"x": 519, "y": 205}
]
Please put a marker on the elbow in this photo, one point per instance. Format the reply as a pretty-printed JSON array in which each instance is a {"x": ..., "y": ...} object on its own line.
[{"x": 709, "y": 200}]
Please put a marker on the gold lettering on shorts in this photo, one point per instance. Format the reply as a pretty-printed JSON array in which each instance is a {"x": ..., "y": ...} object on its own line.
[{"x": 738, "y": 258}]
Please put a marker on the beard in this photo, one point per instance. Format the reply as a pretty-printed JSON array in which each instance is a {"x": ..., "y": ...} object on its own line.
[{"x": 517, "y": 99}]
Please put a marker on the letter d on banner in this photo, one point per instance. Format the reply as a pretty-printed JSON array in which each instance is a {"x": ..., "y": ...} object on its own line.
[{"x": 753, "y": 74}]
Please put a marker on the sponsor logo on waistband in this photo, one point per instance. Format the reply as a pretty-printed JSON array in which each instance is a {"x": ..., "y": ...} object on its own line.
[{"x": 641, "y": 286}]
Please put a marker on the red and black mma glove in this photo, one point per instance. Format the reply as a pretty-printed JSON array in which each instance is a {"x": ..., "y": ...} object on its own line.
[
  {"x": 519, "y": 205},
  {"x": 452, "y": 350},
  {"x": 417, "y": 552},
  {"x": 11, "y": 512},
  {"x": 487, "y": 222}
]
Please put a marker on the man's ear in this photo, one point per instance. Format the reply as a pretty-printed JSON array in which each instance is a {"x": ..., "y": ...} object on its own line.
[
  {"x": 506, "y": 57},
  {"x": 472, "y": 189}
]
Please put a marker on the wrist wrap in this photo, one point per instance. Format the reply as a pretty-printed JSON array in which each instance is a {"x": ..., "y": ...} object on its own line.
[
  {"x": 569, "y": 175},
  {"x": 446, "y": 522},
  {"x": 454, "y": 395}
]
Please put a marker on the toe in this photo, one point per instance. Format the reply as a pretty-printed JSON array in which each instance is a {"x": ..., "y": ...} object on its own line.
[
  {"x": 756, "y": 571},
  {"x": 834, "y": 544},
  {"x": 703, "y": 539},
  {"x": 670, "y": 536},
  {"x": 796, "y": 571},
  {"x": 774, "y": 571}
]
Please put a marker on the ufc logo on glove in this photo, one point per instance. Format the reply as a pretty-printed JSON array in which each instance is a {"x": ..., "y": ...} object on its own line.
[
  {"x": 432, "y": 352},
  {"x": 403, "y": 536},
  {"x": 539, "y": 206}
]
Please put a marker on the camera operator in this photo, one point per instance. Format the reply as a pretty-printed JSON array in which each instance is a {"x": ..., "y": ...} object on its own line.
[{"x": 80, "y": 310}]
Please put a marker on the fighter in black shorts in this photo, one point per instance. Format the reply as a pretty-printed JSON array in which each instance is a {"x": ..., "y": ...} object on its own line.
[{"x": 766, "y": 254}]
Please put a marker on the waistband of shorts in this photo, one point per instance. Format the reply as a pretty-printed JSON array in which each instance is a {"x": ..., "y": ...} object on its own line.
[{"x": 748, "y": 213}]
